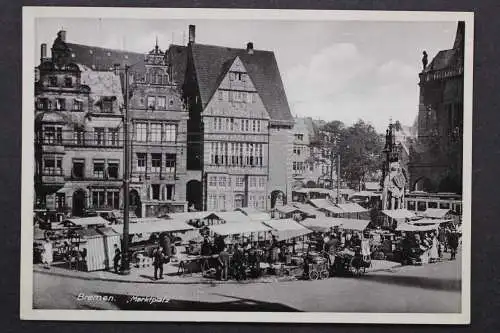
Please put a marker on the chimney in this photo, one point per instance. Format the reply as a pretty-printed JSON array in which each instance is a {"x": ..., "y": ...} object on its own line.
[
  {"x": 250, "y": 48},
  {"x": 43, "y": 52},
  {"x": 62, "y": 34},
  {"x": 192, "y": 29}
]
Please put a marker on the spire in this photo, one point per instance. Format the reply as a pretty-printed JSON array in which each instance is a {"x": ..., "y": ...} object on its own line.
[
  {"x": 156, "y": 45},
  {"x": 460, "y": 36}
]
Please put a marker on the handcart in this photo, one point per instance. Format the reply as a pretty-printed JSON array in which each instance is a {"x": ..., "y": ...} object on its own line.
[{"x": 316, "y": 266}]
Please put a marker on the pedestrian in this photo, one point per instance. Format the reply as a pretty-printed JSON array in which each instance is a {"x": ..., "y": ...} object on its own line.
[
  {"x": 158, "y": 261},
  {"x": 453, "y": 244},
  {"x": 434, "y": 253},
  {"x": 117, "y": 258},
  {"x": 224, "y": 263},
  {"x": 47, "y": 255}
]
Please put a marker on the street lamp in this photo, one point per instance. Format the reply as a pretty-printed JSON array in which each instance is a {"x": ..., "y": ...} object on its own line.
[{"x": 125, "y": 265}]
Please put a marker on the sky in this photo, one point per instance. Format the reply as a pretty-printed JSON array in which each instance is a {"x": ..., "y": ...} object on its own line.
[{"x": 331, "y": 70}]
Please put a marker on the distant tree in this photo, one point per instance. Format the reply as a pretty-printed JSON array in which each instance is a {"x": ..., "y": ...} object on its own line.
[
  {"x": 398, "y": 126},
  {"x": 361, "y": 152}
]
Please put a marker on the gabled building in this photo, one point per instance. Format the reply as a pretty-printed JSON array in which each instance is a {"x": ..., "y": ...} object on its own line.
[
  {"x": 159, "y": 119},
  {"x": 310, "y": 164},
  {"x": 78, "y": 126},
  {"x": 239, "y": 129},
  {"x": 158, "y": 122},
  {"x": 436, "y": 160}
]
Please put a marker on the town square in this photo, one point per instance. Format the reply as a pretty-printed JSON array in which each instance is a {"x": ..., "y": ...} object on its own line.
[{"x": 185, "y": 166}]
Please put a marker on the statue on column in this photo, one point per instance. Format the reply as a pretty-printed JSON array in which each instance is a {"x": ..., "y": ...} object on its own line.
[
  {"x": 425, "y": 61},
  {"x": 394, "y": 187}
]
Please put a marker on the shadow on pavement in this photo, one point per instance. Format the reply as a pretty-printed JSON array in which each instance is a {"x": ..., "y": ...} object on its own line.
[
  {"x": 414, "y": 281},
  {"x": 131, "y": 302}
]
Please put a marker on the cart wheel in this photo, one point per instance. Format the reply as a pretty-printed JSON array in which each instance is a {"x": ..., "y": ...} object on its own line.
[
  {"x": 324, "y": 275},
  {"x": 313, "y": 275}
]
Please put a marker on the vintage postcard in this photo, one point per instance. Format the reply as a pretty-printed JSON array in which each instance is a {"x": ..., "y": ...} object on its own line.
[{"x": 246, "y": 165}]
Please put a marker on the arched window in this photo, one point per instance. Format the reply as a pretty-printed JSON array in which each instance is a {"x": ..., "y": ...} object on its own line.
[{"x": 238, "y": 201}]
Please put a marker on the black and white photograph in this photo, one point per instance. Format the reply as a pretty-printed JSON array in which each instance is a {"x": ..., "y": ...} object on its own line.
[{"x": 246, "y": 165}]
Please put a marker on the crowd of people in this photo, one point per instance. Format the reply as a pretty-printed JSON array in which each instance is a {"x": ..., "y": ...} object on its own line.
[{"x": 429, "y": 246}]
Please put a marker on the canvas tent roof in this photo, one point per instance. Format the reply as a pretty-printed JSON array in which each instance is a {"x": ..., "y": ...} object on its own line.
[
  {"x": 187, "y": 216},
  {"x": 254, "y": 214},
  {"x": 234, "y": 216},
  {"x": 399, "y": 214},
  {"x": 324, "y": 223},
  {"x": 286, "y": 209},
  {"x": 351, "y": 207},
  {"x": 287, "y": 229},
  {"x": 434, "y": 213},
  {"x": 425, "y": 221},
  {"x": 154, "y": 225},
  {"x": 352, "y": 224},
  {"x": 402, "y": 226},
  {"x": 238, "y": 228},
  {"x": 86, "y": 221}
]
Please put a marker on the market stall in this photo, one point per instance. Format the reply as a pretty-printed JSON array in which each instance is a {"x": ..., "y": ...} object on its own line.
[
  {"x": 417, "y": 243},
  {"x": 321, "y": 224},
  {"x": 392, "y": 216}
]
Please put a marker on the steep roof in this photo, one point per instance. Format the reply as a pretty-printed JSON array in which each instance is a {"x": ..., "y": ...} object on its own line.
[
  {"x": 103, "y": 59},
  {"x": 453, "y": 57},
  {"x": 211, "y": 63}
]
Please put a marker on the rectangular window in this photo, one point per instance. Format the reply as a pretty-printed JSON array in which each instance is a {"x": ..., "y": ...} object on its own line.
[
  {"x": 59, "y": 138},
  {"x": 49, "y": 135},
  {"x": 68, "y": 82},
  {"x": 52, "y": 81},
  {"x": 161, "y": 102},
  {"x": 254, "y": 125},
  {"x": 156, "y": 163},
  {"x": 99, "y": 169},
  {"x": 42, "y": 103},
  {"x": 99, "y": 138},
  {"x": 113, "y": 199},
  {"x": 170, "y": 133},
  {"x": 170, "y": 192},
  {"x": 170, "y": 163},
  {"x": 52, "y": 165},
  {"x": 221, "y": 95},
  {"x": 155, "y": 189},
  {"x": 151, "y": 102},
  {"x": 262, "y": 182},
  {"x": 78, "y": 170},
  {"x": 79, "y": 137},
  {"x": 212, "y": 181},
  {"x": 155, "y": 133},
  {"x": 107, "y": 106},
  {"x": 222, "y": 181},
  {"x": 113, "y": 167},
  {"x": 77, "y": 105},
  {"x": 247, "y": 127},
  {"x": 113, "y": 136},
  {"x": 141, "y": 162},
  {"x": 253, "y": 182},
  {"x": 61, "y": 104},
  {"x": 98, "y": 199},
  {"x": 141, "y": 132},
  {"x": 240, "y": 181}
]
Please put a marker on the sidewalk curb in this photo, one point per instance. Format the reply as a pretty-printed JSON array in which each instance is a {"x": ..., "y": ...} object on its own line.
[{"x": 166, "y": 282}]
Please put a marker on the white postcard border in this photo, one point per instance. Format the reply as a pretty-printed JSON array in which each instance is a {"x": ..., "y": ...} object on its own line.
[{"x": 26, "y": 282}]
